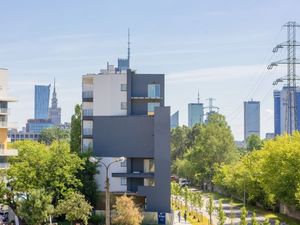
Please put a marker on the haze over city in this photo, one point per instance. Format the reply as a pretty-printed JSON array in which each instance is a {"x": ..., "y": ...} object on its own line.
[{"x": 218, "y": 48}]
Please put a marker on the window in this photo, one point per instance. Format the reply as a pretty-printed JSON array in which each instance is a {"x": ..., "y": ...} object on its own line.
[
  {"x": 124, "y": 105},
  {"x": 149, "y": 166},
  {"x": 149, "y": 182},
  {"x": 154, "y": 90},
  {"x": 151, "y": 107},
  {"x": 123, "y": 87},
  {"x": 124, "y": 163},
  {"x": 123, "y": 181}
]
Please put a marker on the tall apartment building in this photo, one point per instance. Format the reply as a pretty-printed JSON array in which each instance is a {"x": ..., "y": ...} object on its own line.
[
  {"x": 251, "y": 118},
  {"x": 175, "y": 120},
  {"x": 4, "y": 125},
  {"x": 124, "y": 116},
  {"x": 281, "y": 111},
  {"x": 195, "y": 114},
  {"x": 54, "y": 111}
]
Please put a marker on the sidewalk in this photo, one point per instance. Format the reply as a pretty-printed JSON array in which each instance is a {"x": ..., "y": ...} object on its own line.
[{"x": 176, "y": 222}]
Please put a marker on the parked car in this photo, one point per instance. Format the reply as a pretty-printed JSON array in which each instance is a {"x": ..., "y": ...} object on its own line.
[{"x": 183, "y": 182}]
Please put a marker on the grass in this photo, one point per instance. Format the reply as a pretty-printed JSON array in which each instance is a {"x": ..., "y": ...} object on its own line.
[{"x": 266, "y": 213}]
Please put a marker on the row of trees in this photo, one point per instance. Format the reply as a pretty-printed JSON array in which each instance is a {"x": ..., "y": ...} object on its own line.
[
  {"x": 269, "y": 176},
  {"x": 196, "y": 152}
]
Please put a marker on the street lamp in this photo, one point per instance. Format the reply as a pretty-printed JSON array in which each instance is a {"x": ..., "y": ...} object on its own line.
[{"x": 107, "y": 196}]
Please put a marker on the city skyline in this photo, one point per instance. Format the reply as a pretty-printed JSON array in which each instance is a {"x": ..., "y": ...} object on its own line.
[{"x": 225, "y": 62}]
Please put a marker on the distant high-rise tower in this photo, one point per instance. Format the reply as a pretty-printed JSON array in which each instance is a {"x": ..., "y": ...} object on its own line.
[
  {"x": 281, "y": 110},
  {"x": 175, "y": 120},
  {"x": 195, "y": 113},
  {"x": 54, "y": 111},
  {"x": 251, "y": 118},
  {"x": 124, "y": 64},
  {"x": 41, "y": 101}
]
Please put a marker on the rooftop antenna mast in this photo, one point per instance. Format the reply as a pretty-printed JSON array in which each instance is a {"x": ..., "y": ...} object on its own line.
[
  {"x": 128, "y": 50},
  {"x": 291, "y": 77},
  {"x": 198, "y": 98}
]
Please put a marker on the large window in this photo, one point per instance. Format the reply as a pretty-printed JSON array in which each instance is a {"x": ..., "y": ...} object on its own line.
[
  {"x": 123, "y": 181},
  {"x": 154, "y": 90},
  {"x": 149, "y": 166},
  {"x": 151, "y": 107},
  {"x": 123, "y": 105},
  {"x": 123, "y": 87}
]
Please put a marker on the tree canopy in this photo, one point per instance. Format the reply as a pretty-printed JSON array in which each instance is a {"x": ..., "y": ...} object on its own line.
[
  {"x": 211, "y": 144},
  {"x": 75, "y": 134},
  {"x": 52, "y": 134},
  {"x": 271, "y": 175}
]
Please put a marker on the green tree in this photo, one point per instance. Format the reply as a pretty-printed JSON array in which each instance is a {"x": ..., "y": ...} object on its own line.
[
  {"x": 254, "y": 219},
  {"x": 75, "y": 208},
  {"x": 75, "y": 135},
  {"x": 213, "y": 145},
  {"x": 179, "y": 142},
  {"x": 35, "y": 208},
  {"x": 266, "y": 222},
  {"x": 244, "y": 214},
  {"x": 253, "y": 142},
  {"x": 176, "y": 192},
  {"x": 221, "y": 214},
  {"x": 52, "y": 168},
  {"x": 210, "y": 208},
  {"x": 127, "y": 213},
  {"x": 52, "y": 134}
]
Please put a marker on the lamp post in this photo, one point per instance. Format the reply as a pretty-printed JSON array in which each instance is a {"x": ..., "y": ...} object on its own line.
[{"x": 107, "y": 196}]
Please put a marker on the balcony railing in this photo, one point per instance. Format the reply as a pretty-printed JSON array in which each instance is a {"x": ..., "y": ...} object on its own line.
[
  {"x": 87, "y": 94},
  {"x": 88, "y": 112},
  {"x": 88, "y": 131},
  {"x": 4, "y": 110},
  {"x": 5, "y": 124},
  {"x": 8, "y": 152},
  {"x": 4, "y": 165}
]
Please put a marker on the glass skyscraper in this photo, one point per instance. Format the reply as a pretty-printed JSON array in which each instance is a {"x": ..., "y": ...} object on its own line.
[
  {"x": 41, "y": 101},
  {"x": 251, "y": 118},
  {"x": 281, "y": 110},
  {"x": 195, "y": 113}
]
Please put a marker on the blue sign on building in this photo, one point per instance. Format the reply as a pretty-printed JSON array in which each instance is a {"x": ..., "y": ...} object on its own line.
[{"x": 161, "y": 218}]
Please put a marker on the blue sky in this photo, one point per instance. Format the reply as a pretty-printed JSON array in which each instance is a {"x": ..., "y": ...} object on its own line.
[{"x": 220, "y": 48}]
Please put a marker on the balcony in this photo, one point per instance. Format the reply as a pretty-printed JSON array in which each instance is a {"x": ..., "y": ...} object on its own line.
[
  {"x": 87, "y": 96},
  {"x": 4, "y": 165},
  {"x": 5, "y": 124},
  {"x": 8, "y": 152},
  {"x": 134, "y": 175},
  {"x": 4, "y": 111}
]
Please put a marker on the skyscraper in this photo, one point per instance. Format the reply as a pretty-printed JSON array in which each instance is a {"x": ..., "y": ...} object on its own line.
[
  {"x": 281, "y": 110},
  {"x": 251, "y": 118},
  {"x": 175, "y": 120},
  {"x": 195, "y": 114},
  {"x": 54, "y": 111},
  {"x": 41, "y": 101}
]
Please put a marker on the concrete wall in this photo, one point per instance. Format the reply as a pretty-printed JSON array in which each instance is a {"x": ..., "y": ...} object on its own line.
[
  {"x": 108, "y": 95},
  {"x": 158, "y": 197},
  {"x": 129, "y": 136}
]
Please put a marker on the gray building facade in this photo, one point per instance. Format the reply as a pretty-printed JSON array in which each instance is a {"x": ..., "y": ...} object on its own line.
[
  {"x": 134, "y": 124},
  {"x": 251, "y": 118}
]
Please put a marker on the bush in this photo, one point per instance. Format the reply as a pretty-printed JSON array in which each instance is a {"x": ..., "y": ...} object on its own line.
[
  {"x": 127, "y": 213},
  {"x": 96, "y": 219}
]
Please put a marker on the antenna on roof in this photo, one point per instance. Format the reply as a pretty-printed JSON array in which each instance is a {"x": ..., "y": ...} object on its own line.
[
  {"x": 198, "y": 97},
  {"x": 128, "y": 57}
]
